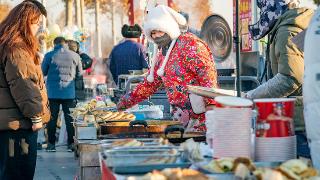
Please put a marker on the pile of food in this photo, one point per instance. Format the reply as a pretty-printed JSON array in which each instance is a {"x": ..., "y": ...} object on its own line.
[
  {"x": 173, "y": 174},
  {"x": 292, "y": 169},
  {"x": 99, "y": 109},
  {"x": 93, "y": 104},
  {"x": 243, "y": 167},
  {"x": 102, "y": 116},
  {"x": 226, "y": 165}
]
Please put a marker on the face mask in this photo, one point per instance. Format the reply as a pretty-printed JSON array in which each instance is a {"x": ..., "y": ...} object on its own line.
[{"x": 163, "y": 41}]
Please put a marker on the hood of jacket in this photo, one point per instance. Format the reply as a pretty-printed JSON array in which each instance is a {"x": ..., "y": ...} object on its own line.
[{"x": 293, "y": 18}]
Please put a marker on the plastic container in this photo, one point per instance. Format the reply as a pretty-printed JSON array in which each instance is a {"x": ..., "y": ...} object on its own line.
[
  {"x": 141, "y": 156},
  {"x": 232, "y": 102},
  {"x": 275, "y": 117}
]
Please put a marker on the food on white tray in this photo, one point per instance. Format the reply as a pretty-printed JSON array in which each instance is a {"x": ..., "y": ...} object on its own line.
[
  {"x": 222, "y": 165},
  {"x": 292, "y": 169},
  {"x": 242, "y": 171},
  {"x": 112, "y": 116},
  {"x": 127, "y": 143},
  {"x": 101, "y": 104},
  {"x": 297, "y": 169},
  {"x": 91, "y": 105},
  {"x": 244, "y": 161},
  {"x": 173, "y": 174},
  {"x": 266, "y": 173},
  {"x": 295, "y": 165},
  {"x": 227, "y": 165},
  {"x": 103, "y": 115}
]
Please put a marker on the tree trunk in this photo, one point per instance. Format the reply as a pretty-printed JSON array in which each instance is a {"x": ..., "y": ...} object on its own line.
[
  {"x": 82, "y": 12},
  {"x": 69, "y": 7},
  {"x": 98, "y": 35},
  {"x": 131, "y": 12},
  {"x": 78, "y": 14},
  {"x": 43, "y": 45},
  {"x": 113, "y": 23}
]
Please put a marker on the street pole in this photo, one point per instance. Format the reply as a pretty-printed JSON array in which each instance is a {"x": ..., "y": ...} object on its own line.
[
  {"x": 237, "y": 42},
  {"x": 131, "y": 12},
  {"x": 98, "y": 35}
]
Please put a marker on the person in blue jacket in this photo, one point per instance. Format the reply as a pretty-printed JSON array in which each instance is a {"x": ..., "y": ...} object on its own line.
[
  {"x": 128, "y": 54},
  {"x": 62, "y": 67}
]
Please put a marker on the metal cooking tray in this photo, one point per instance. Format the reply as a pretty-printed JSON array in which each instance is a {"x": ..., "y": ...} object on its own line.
[
  {"x": 136, "y": 156},
  {"x": 150, "y": 148},
  {"x": 222, "y": 176},
  {"x": 143, "y": 169},
  {"x": 107, "y": 143}
]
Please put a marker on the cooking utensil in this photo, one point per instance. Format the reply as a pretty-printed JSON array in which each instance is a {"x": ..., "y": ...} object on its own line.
[
  {"x": 177, "y": 134},
  {"x": 210, "y": 92},
  {"x": 137, "y": 126}
]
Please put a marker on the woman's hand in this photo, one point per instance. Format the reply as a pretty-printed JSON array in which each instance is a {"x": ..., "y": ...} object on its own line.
[
  {"x": 36, "y": 123},
  {"x": 37, "y": 126}
]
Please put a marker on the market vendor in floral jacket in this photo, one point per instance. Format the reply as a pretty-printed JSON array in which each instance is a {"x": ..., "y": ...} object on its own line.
[{"x": 183, "y": 59}]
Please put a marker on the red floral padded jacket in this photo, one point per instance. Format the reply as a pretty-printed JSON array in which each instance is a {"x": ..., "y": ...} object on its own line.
[{"x": 190, "y": 63}]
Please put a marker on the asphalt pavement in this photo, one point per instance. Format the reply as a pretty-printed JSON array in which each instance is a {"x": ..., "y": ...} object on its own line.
[{"x": 60, "y": 165}]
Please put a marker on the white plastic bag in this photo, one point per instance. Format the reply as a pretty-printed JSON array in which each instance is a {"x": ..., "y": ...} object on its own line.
[{"x": 197, "y": 104}]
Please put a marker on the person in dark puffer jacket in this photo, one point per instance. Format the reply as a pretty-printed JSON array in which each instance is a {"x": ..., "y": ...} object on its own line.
[
  {"x": 86, "y": 64},
  {"x": 128, "y": 54},
  {"x": 23, "y": 97},
  {"x": 62, "y": 67},
  {"x": 85, "y": 58}
]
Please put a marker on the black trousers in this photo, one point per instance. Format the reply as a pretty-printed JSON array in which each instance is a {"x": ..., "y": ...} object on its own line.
[
  {"x": 18, "y": 154},
  {"x": 52, "y": 125},
  {"x": 303, "y": 149}
]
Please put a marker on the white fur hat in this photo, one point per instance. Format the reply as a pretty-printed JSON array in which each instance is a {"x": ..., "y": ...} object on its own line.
[{"x": 165, "y": 19}]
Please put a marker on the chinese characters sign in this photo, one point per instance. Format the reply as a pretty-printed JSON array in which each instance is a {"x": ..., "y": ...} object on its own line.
[{"x": 245, "y": 13}]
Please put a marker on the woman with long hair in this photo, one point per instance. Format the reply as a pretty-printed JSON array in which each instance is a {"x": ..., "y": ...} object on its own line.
[{"x": 24, "y": 102}]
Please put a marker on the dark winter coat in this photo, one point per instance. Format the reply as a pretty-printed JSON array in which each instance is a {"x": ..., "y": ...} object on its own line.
[
  {"x": 61, "y": 66},
  {"x": 23, "y": 94}
]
